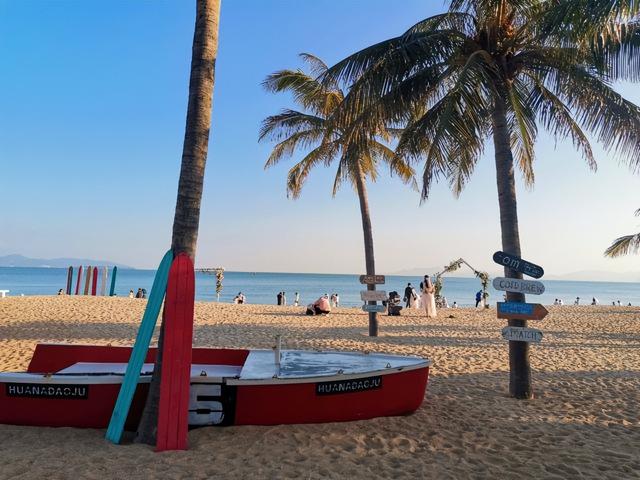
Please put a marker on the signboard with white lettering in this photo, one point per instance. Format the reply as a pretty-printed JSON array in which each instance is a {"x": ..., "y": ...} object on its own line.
[
  {"x": 521, "y": 311},
  {"x": 516, "y": 285},
  {"x": 373, "y": 295},
  {"x": 349, "y": 386},
  {"x": 374, "y": 308},
  {"x": 38, "y": 390},
  {"x": 520, "y": 334},
  {"x": 372, "y": 279},
  {"x": 518, "y": 264}
]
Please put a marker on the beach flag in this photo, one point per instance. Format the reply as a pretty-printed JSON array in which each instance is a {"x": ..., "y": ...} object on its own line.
[
  {"x": 173, "y": 414},
  {"x": 94, "y": 281},
  {"x": 87, "y": 280},
  {"x": 79, "y": 279},
  {"x": 139, "y": 352},
  {"x": 113, "y": 281},
  {"x": 105, "y": 276}
]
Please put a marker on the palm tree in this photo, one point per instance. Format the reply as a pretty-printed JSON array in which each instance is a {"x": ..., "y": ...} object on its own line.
[
  {"x": 500, "y": 69},
  {"x": 194, "y": 157},
  {"x": 624, "y": 245},
  {"x": 358, "y": 152}
]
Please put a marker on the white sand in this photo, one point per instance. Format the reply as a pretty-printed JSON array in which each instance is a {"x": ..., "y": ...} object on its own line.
[{"x": 584, "y": 422}]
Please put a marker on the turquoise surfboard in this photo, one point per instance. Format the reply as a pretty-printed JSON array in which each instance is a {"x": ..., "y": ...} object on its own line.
[
  {"x": 139, "y": 352},
  {"x": 113, "y": 281}
]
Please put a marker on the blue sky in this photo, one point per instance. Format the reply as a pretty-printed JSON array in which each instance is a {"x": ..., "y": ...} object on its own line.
[{"x": 92, "y": 106}]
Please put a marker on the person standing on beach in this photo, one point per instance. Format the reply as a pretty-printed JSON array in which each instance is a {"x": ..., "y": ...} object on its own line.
[
  {"x": 479, "y": 298},
  {"x": 296, "y": 299},
  {"x": 408, "y": 292},
  {"x": 279, "y": 298},
  {"x": 427, "y": 297},
  {"x": 577, "y": 302},
  {"x": 284, "y": 299}
]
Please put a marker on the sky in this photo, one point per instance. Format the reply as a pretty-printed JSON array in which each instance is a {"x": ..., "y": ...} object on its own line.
[{"x": 92, "y": 109}]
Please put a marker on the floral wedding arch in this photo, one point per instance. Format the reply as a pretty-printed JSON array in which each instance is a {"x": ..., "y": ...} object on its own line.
[{"x": 452, "y": 267}]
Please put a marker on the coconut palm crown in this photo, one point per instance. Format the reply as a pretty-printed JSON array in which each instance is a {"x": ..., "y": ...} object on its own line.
[
  {"x": 499, "y": 70},
  {"x": 357, "y": 152}
]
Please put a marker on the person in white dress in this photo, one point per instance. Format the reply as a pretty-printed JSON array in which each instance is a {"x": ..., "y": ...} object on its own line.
[
  {"x": 414, "y": 299},
  {"x": 428, "y": 298}
]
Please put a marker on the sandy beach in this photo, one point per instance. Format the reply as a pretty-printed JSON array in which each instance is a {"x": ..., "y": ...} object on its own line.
[{"x": 583, "y": 423}]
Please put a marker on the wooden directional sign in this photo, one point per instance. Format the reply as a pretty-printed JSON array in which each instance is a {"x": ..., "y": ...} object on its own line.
[
  {"x": 373, "y": 295},
  {"x": 521, "y": 311},
  {"x": 517, "y": 285},
  {"x": 372, "y": 279},
  {"x": 520, "y": 334},
  {"x": 518, "y": 264},
  {"x": 374, "y": 308}
]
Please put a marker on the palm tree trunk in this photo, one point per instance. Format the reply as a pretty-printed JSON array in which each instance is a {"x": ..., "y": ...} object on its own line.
[
  {"x": 519, "y": 366},
  {"x": 194, "y": 158},
  {"x": 361, "y": 187}
]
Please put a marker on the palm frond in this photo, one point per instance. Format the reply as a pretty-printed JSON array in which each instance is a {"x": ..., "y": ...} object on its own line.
[
  {"x": 287, "y": 123},
  {"x": 556, "y": 118},
  {"x": 624, "y": 246},
  {"x": 522, "y": 125},
  {"x": 299, "y": 173}
]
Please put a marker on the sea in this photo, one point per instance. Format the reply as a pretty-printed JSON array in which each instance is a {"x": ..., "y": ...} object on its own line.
[{"x": 262, "y": 287}]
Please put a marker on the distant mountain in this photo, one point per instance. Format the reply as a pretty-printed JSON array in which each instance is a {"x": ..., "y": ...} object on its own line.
[{"x": 22, "y": 261}]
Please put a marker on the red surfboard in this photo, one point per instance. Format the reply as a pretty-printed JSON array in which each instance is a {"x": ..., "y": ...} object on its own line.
[
  {"x": 94, "y": 281},
  {"x": 173, "y": 412},
  {"x": 79, "y": 278}
]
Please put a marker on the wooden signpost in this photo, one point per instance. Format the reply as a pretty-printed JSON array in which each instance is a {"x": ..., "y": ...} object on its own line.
[
  {"x": 521, "y": 311},
  {"x": 518, "y": 264},
  {"x": 374, "y": 308},
  {"x": 517, "y": 333},
  {"x": 521, "y": 334},
  {"x": 372, "y": 279},
  {"x": 517, "y": 285},
  {"x": 373, "y": 295}
]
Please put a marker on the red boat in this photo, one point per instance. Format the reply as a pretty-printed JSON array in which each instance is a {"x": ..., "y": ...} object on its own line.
[{"x": 77, "y": 386}]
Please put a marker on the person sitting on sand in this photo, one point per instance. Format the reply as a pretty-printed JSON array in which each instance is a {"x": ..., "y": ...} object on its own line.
[
  {"x": 577, "y": 302},
  {"x": 239, "y": 299},
  {"x": 594, "y": 301},
  {"x": 130, "y": 293},
  {"x": 320, "y": 306},
  {"x": 455, "y": 305},
  {"x": 60, "y": 292},
  {"x": 139, "y": 293}
]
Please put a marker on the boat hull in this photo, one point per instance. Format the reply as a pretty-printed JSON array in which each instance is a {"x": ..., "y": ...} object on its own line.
[{"x": 220, "y": 396}]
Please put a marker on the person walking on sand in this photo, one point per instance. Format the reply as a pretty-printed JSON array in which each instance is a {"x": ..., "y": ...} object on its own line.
[
  {"x": 478, "y": 297},
  {"x": 428, "y": 298},
  {"x": 408, "y": 291}
]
